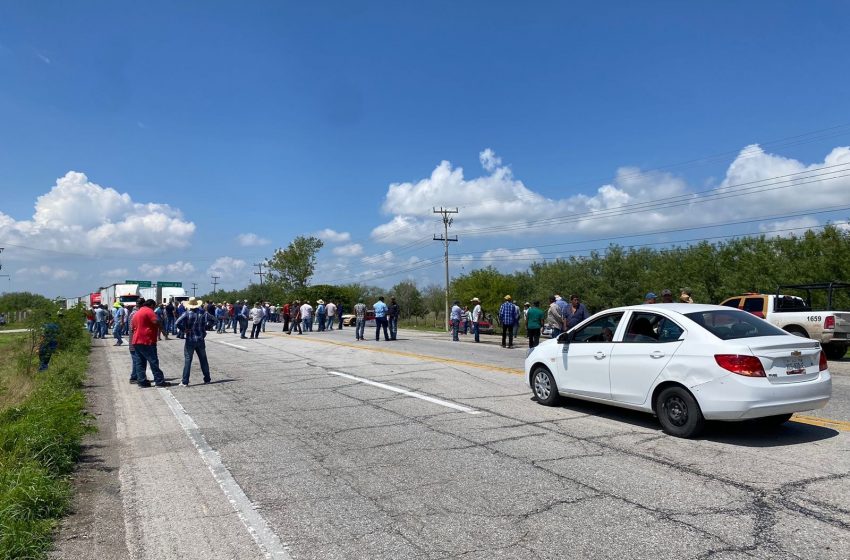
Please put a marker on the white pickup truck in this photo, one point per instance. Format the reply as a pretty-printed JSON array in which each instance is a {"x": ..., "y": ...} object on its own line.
[{"x": 796, "y": 315}]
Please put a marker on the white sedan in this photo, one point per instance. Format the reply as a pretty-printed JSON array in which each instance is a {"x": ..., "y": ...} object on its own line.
[{"x": 686, "y": 363}]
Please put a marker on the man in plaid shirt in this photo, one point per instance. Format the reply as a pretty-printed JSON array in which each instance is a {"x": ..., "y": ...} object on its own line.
[
  {"x": 508, "y": 316},
  {"x": 194, "y": 326}
]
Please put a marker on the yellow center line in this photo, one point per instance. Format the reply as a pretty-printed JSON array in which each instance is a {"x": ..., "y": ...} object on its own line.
[
  {"x": 441, "y": 359},
  {"x": 840, "y": 425}
]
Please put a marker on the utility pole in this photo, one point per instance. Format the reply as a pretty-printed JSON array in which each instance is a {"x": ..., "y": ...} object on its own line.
[
  {"x": 445, "y": 239},
  {"x": 214, "y": 282},
  {"x": 194, "y": 287},
  {"x": 260, "y": 273}
]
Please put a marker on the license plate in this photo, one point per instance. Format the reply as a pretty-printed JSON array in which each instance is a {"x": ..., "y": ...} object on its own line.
[{"x": 794, "y": 366}]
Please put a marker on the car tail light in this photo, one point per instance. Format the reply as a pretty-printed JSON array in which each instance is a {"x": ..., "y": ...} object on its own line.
[
  {"x": 748, "y": 366},
  {"x": 830, "y": 322},
  {"x": 823, "y": 363}
]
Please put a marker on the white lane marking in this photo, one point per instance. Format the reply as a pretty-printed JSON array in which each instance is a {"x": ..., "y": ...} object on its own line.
[
  {"x": 262, "y": 534},
  {"x": 408, "y": 393},
  {"x": 228, "y": 344}
]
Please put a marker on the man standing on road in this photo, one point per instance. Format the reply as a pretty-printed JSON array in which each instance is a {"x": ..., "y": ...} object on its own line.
[
  {"x": 145, "y": 329},
  {"x": 339, "y": 314},
  {"x": 100, "y": 322},
  {"x": 554, "y": 318},
  {"x": 380, "y": 319},
  {"x": 295, "y": 317},
  {"x": 320, "y": 314},
  {"x": 286, "y": 308},
  {"x": 534, "y": 317},
  {"x": 576, "y": 312},
  {"x": 330, "y": 310},
  {"x": 455, "y": 319},
  {"x": 393, "y": 311},
  {"x": 118, "y": 318},
  {"x": 508, "y": 316},
  {"x": 243, "y": 318},
  {"x": 169, "y": 317},
  {"x": 359, "y": 319},
  {"x": 257, "y": 316},
  {"x": 194, "y": 324},
  {"x": 307, "y": 316},
  {"x": 134, "y": 360},
  {"x": 476, "y": 317}
]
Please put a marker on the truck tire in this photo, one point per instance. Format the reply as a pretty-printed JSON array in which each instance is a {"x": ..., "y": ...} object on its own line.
[
  {"x": 834, "y": 350},
  {"x": 797, "y": 331}
]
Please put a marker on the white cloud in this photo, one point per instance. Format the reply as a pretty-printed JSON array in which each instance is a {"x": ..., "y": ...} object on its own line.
[
  {"x": 228, "y": 269},
  {"x": 180, "y": 268},
  {"x": 634, "y": 202},
  {"x": 502, "y": 259},
  {"x": 385, "y": 257},
  {"x": 46, "y": 272},
  {"x": 77, "y": 215},
  {"x": 350, "y": 250},
  {"x": 251, "y": 240},
  {"x": 111, "y": 275},
  {"x": 331, "y": 236}
]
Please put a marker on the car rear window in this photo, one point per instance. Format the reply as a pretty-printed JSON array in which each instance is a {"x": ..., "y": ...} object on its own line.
[{"x": 730, "y": 324}]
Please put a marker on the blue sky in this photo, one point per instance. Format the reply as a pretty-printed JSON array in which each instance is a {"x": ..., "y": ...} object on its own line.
[{"x": 218, "y": 120}]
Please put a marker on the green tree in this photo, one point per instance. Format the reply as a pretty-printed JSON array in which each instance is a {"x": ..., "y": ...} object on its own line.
[
  {"x": 291, "y": 268},
  {"x": 409, "y": 299}
]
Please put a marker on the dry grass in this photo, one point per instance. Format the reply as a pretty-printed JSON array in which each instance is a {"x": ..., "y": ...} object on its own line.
[{"x": 15, "y": 386}]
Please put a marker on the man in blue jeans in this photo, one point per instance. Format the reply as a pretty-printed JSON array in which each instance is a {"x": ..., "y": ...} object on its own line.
[
  {"x": 145, "y": 330},
  {"x": 380, "y": 319},
  {"x": 194, "y": 323}
]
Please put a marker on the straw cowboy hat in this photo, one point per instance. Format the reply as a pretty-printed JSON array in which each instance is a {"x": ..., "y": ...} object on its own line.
[
  {"x": 194, "y": 303},
  {"x": 320, "y": 302},
  {"x": 475, "y": 299},
  {"x": 508, "y": 298}
]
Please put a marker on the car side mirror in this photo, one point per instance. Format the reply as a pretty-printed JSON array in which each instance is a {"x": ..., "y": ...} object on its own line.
[{"x": 565, "y": 338}]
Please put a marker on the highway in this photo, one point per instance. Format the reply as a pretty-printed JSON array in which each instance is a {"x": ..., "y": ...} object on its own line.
[{"x": 322, "y": 447}]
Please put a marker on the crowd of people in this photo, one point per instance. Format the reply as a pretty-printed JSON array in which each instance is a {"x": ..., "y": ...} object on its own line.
[{"x": 147, "y": 322}]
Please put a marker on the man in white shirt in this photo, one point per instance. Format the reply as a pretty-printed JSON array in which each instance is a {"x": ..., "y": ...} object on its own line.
[
  {"x": 307, "y": 316},
  {"x": 257, "y": 316},
  {"x": 476, "y": 317},
  {"x": 330, "y": 310}
]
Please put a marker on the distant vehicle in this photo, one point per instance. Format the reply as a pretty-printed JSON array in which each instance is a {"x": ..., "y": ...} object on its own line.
[
  {"x": 484, "y": 326},
  {"x": 350, "y": 320},
  {"x": 796, "y": 314},
  {"x": 164, "y": 294},
  {"x": 686, "y": 363}
]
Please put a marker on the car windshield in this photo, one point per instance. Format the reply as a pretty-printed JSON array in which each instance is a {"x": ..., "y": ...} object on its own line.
[{"x": 729, "y": 324}]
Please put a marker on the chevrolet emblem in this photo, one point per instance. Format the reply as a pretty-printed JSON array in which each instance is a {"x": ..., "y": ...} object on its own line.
[{"x": 796, "y": 353}]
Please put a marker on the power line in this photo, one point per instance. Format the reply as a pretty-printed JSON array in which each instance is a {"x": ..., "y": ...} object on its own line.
[
  {"x": 260, "y": 273},
  {"x": 214, "y": 282}
]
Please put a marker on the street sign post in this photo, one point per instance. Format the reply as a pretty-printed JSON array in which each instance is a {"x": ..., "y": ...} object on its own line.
[
  {"x": 169, "y": 284},
  {"x": 141, "y": 283}
]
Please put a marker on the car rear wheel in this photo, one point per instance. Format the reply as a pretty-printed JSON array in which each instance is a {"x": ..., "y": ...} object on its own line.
[
  {"x": 797, "y": 331},
  {"x": 544, "y": 386},
  {"x": 834, "y": 351},
  {"x": 679, "y": 413}
]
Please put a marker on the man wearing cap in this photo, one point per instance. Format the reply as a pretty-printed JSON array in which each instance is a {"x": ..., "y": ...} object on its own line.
[
  {"x": 100, "y": 322},
  {"x": 666, "y": 296},
  {"x": 650, "y": 298},
  {"x": 119, "y": 315},
  {"x": 145, "y": 329},
  {"x": 194, "y": 325},
  {"x": 508, "y": 316},
  {"x": 476, "y": 317}
]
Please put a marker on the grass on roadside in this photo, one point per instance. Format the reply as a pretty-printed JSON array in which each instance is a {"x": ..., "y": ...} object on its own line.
[{"x": 40, "y": 436}]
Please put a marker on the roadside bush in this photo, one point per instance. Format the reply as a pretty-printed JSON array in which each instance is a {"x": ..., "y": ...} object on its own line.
[{"x": 40, "y": 442}]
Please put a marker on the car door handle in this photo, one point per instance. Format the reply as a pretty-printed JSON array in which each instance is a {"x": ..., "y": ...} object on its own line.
[
  {"x": 599, "y": 355},
  {"x": 657, "y": 354}
]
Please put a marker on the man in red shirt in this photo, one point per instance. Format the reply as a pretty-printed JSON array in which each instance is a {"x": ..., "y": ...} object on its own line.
[{"x": 145, "y": 333}]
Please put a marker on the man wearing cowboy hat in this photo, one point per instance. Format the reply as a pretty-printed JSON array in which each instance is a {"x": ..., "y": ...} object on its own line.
[
  {"x": 508, "y": 315},
  {"x": 194, "y": 325},
  {"x": 476, "y": 316}
]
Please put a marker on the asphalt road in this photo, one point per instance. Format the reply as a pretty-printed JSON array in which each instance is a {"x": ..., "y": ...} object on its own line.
[{"x": 321, "y": 447}]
